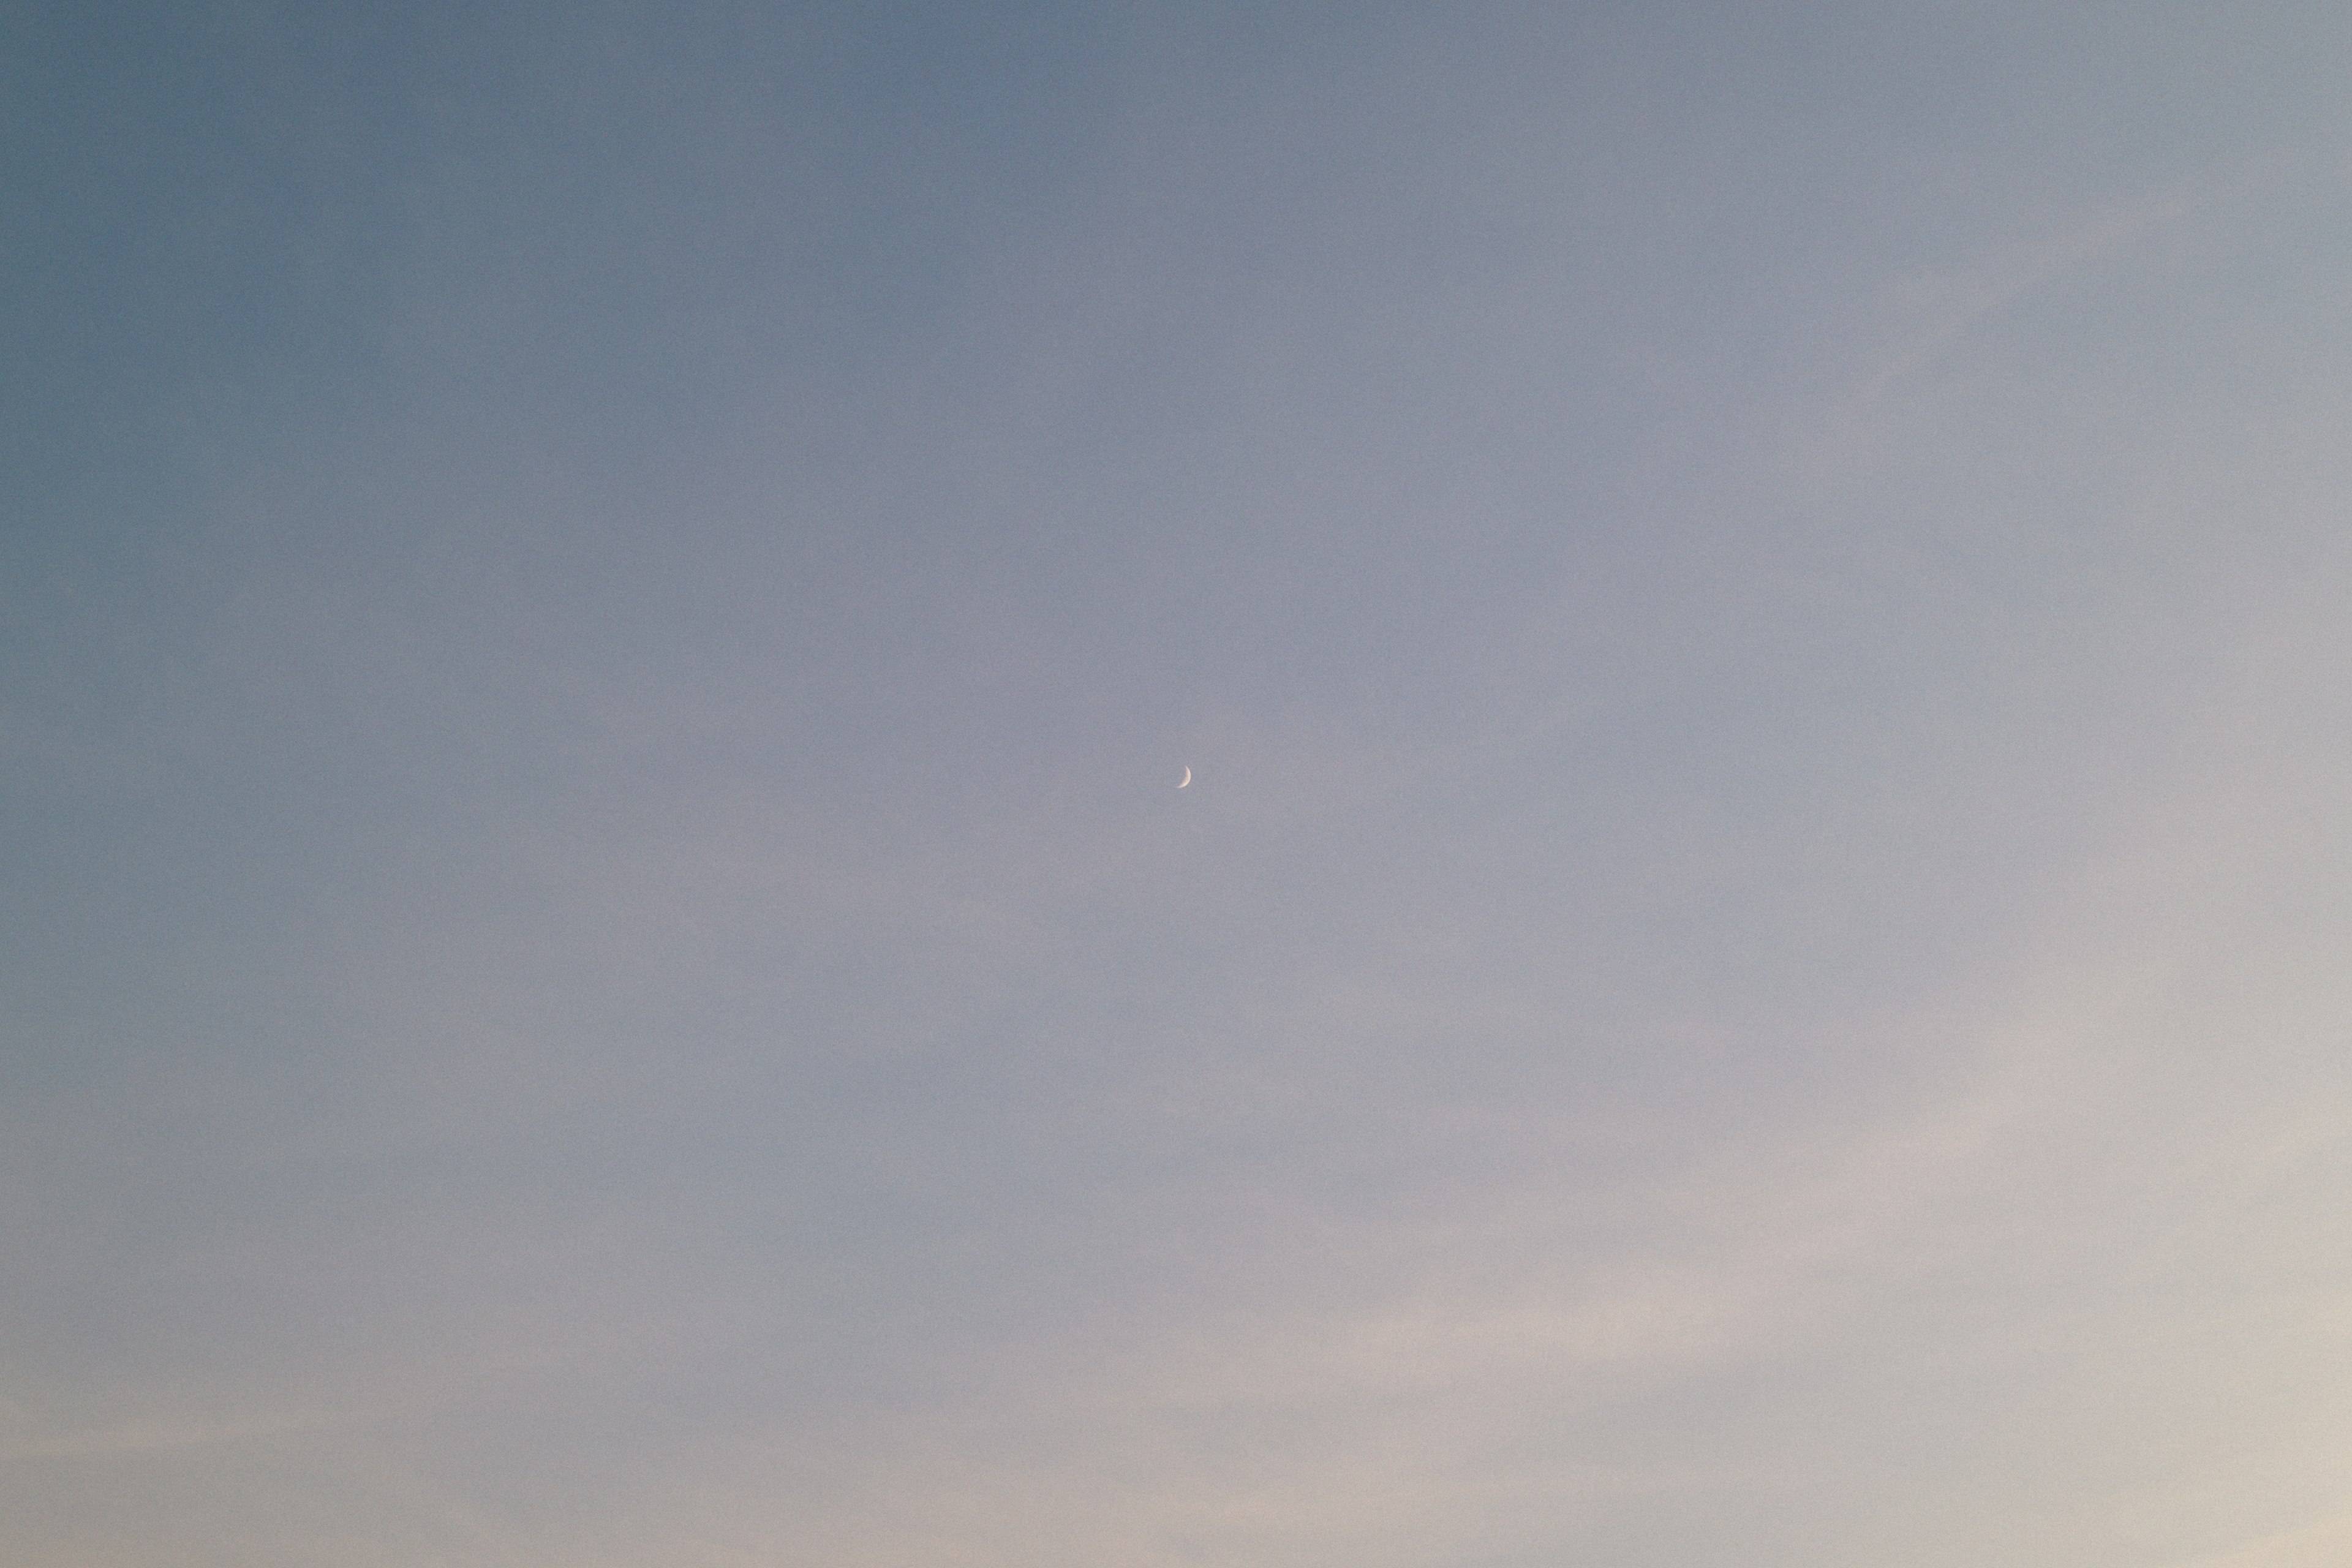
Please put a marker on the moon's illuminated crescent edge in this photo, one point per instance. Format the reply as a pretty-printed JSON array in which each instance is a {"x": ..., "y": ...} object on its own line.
[{"x": 1188, "y": 778}]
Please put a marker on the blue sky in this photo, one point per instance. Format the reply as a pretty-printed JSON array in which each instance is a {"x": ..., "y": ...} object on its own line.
[{"x": 600, "y": 613}]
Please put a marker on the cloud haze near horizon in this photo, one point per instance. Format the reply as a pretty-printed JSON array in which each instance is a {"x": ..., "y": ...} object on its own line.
[{"x": 601, "y": 608}]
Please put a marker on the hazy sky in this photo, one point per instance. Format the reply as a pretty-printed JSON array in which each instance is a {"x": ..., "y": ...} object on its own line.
[{"x": 602, "y": 605}]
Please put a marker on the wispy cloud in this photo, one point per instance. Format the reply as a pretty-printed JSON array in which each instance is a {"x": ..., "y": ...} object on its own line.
[{"x": 1939, "y": 307}]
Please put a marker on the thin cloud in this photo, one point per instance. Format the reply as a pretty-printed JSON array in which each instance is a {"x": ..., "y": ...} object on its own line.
[{"x": 1944, "y": 306}]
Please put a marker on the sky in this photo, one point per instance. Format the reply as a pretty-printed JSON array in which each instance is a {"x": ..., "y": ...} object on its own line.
[{"x": 602, "y": 607}]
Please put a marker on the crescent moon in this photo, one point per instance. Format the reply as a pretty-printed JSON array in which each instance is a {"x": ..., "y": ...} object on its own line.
[{"x": 1188, "y": 778}]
